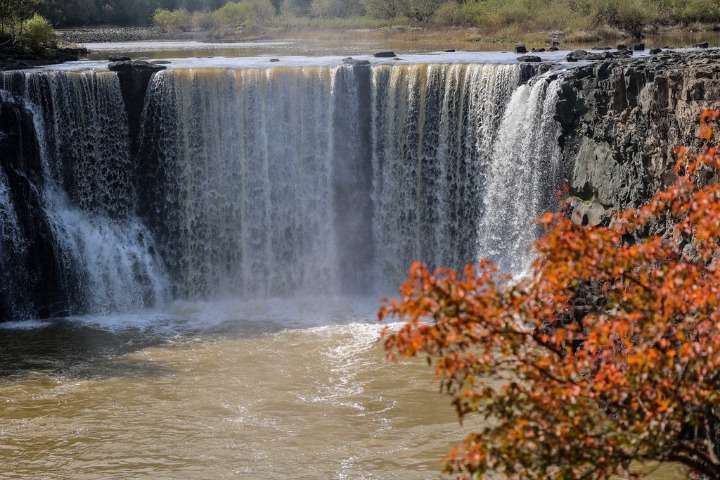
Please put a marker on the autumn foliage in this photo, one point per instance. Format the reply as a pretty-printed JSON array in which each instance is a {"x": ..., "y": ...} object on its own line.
[{"x": 607, "y": 354}]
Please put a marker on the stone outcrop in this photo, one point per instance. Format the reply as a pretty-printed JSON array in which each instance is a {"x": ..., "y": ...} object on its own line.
[
  {"x": 622, "y": 118},
  {"x": 134, "y": 76}
]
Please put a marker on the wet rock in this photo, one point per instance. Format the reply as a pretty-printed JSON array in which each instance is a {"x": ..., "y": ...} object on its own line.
[
  {"x": 702, "y": 45},
  {"x": 538, "y": 50},
  {"x": 602, "y": 48},
  {"x": 117, "y": 58},
  {"x": 621, "y": 46},
  {"x": 138, "y": 66},
  {"x": 134, "y": 76},
  {"x": 384, "y": 55},
  {"x": 450, "y": 50},
  {"x": 639, "y": 47},
  {"x": 582, "y": 55},
  {"x": 655, "y": 51},
  {"x": 355, "y": 62},
  {"x": 520, "y": 48},
  {"x": 587, "y": 213},
  {"x": 274, "y": 60},
  {"x": 529, "y": 58},
  {"x": 622, "y": 117},
  {"x": 553, "y": 49}
]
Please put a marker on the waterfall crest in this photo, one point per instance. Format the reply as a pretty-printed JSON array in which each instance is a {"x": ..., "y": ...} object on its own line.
[{"x": 271, "y": 182}]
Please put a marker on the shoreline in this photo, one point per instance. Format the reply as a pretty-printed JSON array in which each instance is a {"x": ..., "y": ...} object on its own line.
[{"x": 461, "y": 38}]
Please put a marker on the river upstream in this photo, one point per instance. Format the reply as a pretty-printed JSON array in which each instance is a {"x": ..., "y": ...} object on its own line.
[{"x": 219, "y": 273}]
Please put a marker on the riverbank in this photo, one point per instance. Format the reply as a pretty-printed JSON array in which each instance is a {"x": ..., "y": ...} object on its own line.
[
  {"x": 402, "y": 37},
  {"x": 13, "y": 57}
]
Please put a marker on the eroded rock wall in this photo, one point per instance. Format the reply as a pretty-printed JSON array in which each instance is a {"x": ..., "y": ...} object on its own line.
[{"x": 622, "y": 118}]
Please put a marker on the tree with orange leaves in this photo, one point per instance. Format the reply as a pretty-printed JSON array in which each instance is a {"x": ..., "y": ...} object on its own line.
[{"x": 608, "y": 353}]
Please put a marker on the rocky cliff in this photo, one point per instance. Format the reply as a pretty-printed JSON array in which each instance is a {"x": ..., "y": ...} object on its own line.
[{"x": 622, "y": 118}]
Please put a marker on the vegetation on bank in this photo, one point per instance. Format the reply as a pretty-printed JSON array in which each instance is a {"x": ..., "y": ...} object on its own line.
[
  {"x": 492, "y": 17},
  {"x": 498, "y": 18},
  {"x": 607, "y": 355},
  {"x": 22, "y": 26}
]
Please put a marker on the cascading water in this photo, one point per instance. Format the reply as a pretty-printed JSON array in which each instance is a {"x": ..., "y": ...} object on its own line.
[
  {"x": 276, "y": 181},
  {"x": 433, "y": 131},
  {"x": 247, "y": 163},
  {"x": 103, "y": 252},
  {"x": 522, "y": 175}
]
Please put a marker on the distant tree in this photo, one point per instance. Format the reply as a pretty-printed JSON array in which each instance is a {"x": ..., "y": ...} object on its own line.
[
  {"x": 384, "y": 9},
  {"x": 608, "y": 353},
  {"x": 13, "y": 13}
]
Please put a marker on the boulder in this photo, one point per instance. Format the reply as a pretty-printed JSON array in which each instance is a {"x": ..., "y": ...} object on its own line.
[
  {"x": 520, "y": 48},
  {"x": 384, "y": 55},
  {"x": 354, "y": 62},
  {"x": 274, "y": 60},
  {"x": 639, "y": 47},
  {"x": 119, "y": 58},
  {"x": 655, "y": 51},
  {"x": 137, "y": 66},
  {"x": 529, "y": 58},
  {"x": 582, "y": 55},
  {"x": 702, "y": 45}
]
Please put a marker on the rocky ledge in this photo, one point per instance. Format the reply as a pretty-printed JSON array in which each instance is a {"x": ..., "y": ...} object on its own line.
[
  {"x": 622, "y": 118},
  {"x": 17, "y": 58}
]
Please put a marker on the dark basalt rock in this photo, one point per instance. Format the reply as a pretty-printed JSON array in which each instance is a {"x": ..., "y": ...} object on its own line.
[
  {"x": 134, "y": 76},
  {"x": 384, "y": 55},
  {"x": 702, "y": 45},
  {"x": 529, "y": 58},
  {"x": 355, "y": 62},
  {"x": 553, "y": 49},
  {"x": 136, "y": 66},
  {"x": 538, "y": 50},
  {"x": 450, "y": 50},
  {"x": 639, "y": 47},
  {"x": 520, "y": 48},
  {"x": 622, "y": 117},
  {"x": 655, "y": 51},
  {"x": 622, "y": 46},
  {"x": 582, "y": 55},
  {"x": 119, "y": 59},
  {"x": 274, "y": 60}
]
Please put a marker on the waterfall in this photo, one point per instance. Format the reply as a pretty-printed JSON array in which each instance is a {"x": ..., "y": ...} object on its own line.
[
  {"x": 104, "y": 253},
  {"x": 247, "y": 162},
  {"x": 433, "y": 131},
  {"x": 522, "y": 175},
  {"x": 261, "y": 182}
]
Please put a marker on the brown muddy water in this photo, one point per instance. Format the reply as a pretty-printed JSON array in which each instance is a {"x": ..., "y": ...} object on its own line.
[{"x": 242, "y": 390}]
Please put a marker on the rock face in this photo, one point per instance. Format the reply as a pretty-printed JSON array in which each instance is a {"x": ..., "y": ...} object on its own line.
[
  {"x": 621, "y": 119},
  {"x": 134, "y": 78}
]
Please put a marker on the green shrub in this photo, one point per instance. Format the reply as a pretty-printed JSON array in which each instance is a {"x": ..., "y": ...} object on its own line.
[
  {"x": 169, "y": 20},
  {"x": 450, "y": 13},
  {"x": 700, "y": 10},
  {"x": 36, "y": 32}
]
